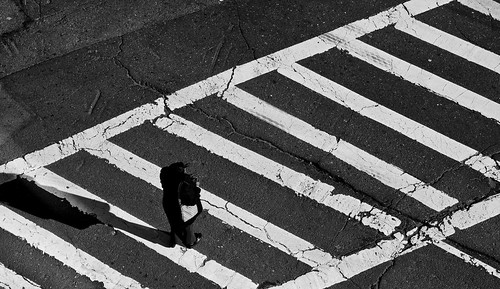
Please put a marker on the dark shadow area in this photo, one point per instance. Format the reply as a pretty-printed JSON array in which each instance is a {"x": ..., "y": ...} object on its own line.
[
  {"x": 73, "y": 210},
  {"x": 28, "y": 197}
]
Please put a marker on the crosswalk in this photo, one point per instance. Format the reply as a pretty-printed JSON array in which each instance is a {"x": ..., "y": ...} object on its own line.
[{"x": 166, "y": 118}]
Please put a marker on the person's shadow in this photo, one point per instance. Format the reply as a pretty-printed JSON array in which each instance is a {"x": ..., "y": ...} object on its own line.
[{"x": 73, "y": 210}]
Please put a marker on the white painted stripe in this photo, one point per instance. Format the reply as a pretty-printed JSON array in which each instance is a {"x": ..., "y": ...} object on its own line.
[
  {"x": 78, "y": 260},
  {"x": 487, "y": 7},
  {"x": 190, "y": 259},
  {"x": 393, "y": 120},
  {"x": 301, "y": 184},
  {"x": 379, "y": 21},
  {"x": 416, "y": 75},
  {"x": 416, "y": 7},
  {"x": 87, "y": 138},
  {"x": 219, "y": 208},
  {"x": 346, "y": 152},
  {"x": 216, "y": 84},
  {"x": 265, "y": 231},
  {"x": 468, "y": 258},
  {"x": 386, "y": 250},
  {"x": 285, "y": 57},
  {"x": 10, "y": 279},
  {"x": 450, "y": 43},
  {"x": 386, "y": 173}
]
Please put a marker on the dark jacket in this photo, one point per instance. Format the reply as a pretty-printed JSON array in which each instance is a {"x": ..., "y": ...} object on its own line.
[{"x": 170, "y": 178}]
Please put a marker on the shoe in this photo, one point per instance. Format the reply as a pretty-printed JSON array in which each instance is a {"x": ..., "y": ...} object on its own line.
[{"x": 198, "y": 238}]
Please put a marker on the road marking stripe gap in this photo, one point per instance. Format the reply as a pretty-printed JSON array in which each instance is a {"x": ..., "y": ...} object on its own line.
[
  {"x": 10, "y": 279},
  {"x": 418, "y": 76},
  {"x": 300, "y": 183},
  {"x": 190, "y": 259},
  {"x": 487, "y": 7},
  {"x": 63, "y": 251},
  {"x": 450, "y": 43},
  {"x": 412, "y": 129},
  {"x": 387, "y": 250},
  {"x": 386, "y": 173},
  {"x": 219, "y": 208}
]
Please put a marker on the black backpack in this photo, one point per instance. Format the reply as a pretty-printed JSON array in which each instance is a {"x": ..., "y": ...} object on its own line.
[{"x": 189, "y": 192}]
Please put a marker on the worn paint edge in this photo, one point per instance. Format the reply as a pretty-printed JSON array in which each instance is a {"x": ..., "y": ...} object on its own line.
[
  {"x": 11, "y": 279},
  {"x": 80, "y": 261},
  {"x": 450, "y": 43},
  {"x": 487, "y": 7},
  {"x": 387, "y": 250},
  {"x": 420, "y": 77}
]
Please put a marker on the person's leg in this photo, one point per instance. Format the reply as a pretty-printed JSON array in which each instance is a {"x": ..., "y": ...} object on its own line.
[
  {"x": 189, "y": 237},
  {"x": 177, "y": 237}
]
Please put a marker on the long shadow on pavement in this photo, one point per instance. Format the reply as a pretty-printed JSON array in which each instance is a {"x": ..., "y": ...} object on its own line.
[{"x": 73, "y": 210}]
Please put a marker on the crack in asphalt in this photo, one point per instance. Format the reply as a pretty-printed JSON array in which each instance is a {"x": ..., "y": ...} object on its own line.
[
  {"x": 225, "y": 208},
  {"x": 376, "y": 284},
  {"x": 317, "y": 166},
  {"x": 422, "y": 225},
  {"x": 406, "y": 9},
  {"x": 490, "y": 155},
  {"x": 471, "y": 251},
  {"x": 264, "y": 229},
  {"x": 462, "y": 33},
  {"x": 434, "y": 230},
  {"x": 221, "y": 94},
  {"x": 218, "y": 49},
  {"x": 335, "y": 240},
  {"x": 137, "y": 82},
  {"x": 241, "y": 30}
]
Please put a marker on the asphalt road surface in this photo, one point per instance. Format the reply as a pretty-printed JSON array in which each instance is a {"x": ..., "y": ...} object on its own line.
[{"x": 338, "y": 144}]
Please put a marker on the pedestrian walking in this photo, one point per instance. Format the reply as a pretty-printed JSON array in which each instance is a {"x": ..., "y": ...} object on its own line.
[{"x": 181, "y": 202}]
